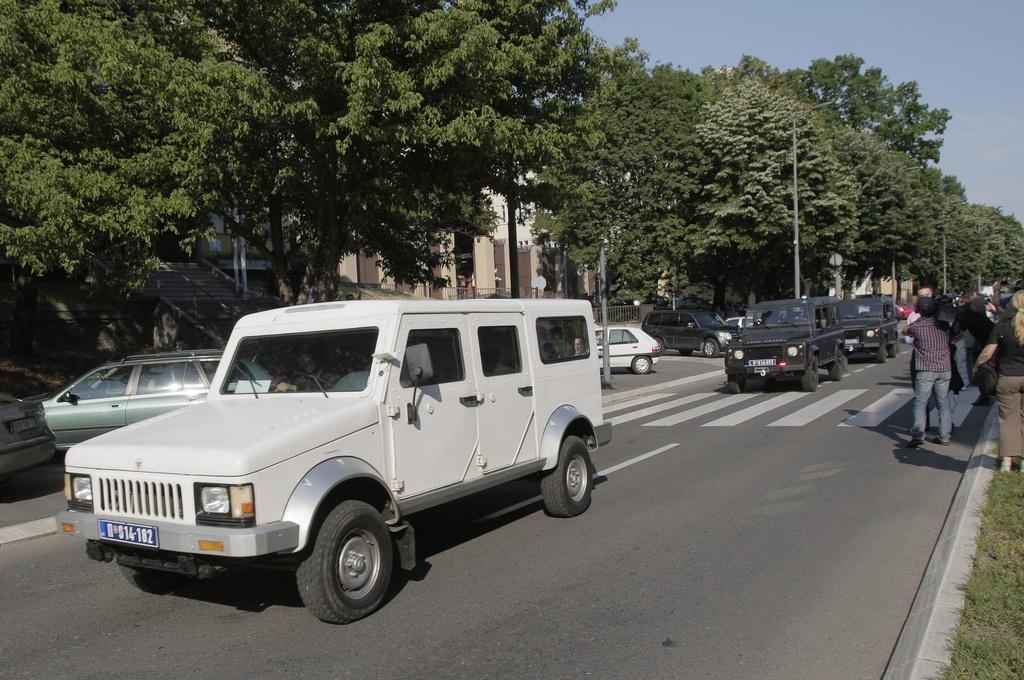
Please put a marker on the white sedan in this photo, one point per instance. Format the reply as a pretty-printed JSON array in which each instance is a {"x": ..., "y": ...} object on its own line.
[{"x": 630, "y": 348}]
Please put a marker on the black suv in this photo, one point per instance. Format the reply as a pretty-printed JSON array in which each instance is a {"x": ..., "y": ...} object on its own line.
[
  {"x": 871, "y": 326},
  {"x": 788, "y": 338},
  {"x": 689, "y": 331}
]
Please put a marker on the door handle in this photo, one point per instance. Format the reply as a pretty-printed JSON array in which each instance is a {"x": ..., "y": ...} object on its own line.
[
  {"x": 471, "y": 400},
  {"x": 115, "y": 406},
  {"x": 526, "y": 391}
]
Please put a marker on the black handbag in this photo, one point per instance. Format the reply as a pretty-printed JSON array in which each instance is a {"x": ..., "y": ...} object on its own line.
[{"x": 986, "y": 378}]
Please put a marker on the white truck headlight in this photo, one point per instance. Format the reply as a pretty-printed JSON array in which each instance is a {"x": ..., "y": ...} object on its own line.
[
  {"x": 737, "y": 354},
  {"x": 78, "y": 491},
  {"x": 224, "y": 504},
  {"x": 871, "y": 333},
  {"x": 792, "y": 351}
]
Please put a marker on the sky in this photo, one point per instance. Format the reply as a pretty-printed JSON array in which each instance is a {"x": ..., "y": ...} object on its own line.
[{"x": 965, "y": 56}]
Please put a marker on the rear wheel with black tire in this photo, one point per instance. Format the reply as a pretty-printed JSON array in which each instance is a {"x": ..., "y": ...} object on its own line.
[
  {"x": 346, "y": 576},
  {"x": 809, "y": 380},
  {"x": 890, "y": 349},
  {"x": 566, "y": 489},
  {"x": 152, "y": 581},
  {"x": 880, "y": 354},
  {"x": 710, "y": 348},
  {"x": 641, "y": 365},
  {"x": 838, "y": 367},
  {"x": 737, "y": 383}
]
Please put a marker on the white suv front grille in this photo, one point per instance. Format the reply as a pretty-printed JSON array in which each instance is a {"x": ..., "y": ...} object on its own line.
[{"x": 141, "y": 498}]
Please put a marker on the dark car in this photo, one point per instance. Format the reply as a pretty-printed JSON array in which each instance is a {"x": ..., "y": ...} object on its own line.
[
  {"x": 871, "y": 326},
  {"x": 689, "y": 331},
  {"x": 25, "y": 440},
  {"x": 788, "y": 338}
]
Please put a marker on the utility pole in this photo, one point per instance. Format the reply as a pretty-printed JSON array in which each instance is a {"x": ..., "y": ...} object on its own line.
[
  {"x": 606, "y": 368},
  {"x": 796, "y": 206},
  {"x": 944, "y": 286}
]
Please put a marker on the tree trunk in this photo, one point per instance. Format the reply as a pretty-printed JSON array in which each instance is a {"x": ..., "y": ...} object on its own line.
[
  {"x": 719, "y": 295},
  {"x": 278, "y": 257},
  {"x": 511, "y": 200},
  {"x": 23, "y": 328}
]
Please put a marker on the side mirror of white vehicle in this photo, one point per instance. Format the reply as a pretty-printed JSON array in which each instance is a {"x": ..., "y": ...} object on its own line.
[{"x": 420, "y": 369}]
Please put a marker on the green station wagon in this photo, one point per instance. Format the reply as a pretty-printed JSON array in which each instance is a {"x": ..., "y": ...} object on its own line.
[{"x": 123, "y": 392}]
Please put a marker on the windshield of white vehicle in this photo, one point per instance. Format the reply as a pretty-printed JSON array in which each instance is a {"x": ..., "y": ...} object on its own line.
[
  {"x": 851, "y": 309},
  {"x": 331, "y": 361},
  {"x": 793, "y": 315}
]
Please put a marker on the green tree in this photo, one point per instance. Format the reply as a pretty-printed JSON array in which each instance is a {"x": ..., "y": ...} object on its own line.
[
  {"x": 108, "y": 116},
  {"x": 632, "y": 185},
  {"x": 866, "y": 100},
  {"x": 743, "y": 224}
]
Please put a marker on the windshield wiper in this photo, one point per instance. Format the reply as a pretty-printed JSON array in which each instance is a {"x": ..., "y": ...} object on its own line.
[
  {"x": 252, "y": 381},
  {"x": 318, "y": 384}
]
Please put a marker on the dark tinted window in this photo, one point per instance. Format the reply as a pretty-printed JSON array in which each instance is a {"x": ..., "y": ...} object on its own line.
[
  {"x": 563, "y": 339},
  {"x": 499, "y": 350},
  {"x": 445, "y": 355},
  {"x": 851, "y": 309}
]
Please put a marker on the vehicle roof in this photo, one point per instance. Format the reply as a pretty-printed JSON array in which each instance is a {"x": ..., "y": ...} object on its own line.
[
  {"x": 817, "y": 301},
  {"x": 354, "y": 309},
  {"x": 159, "y": 356},
  {"x": 873, "y": 296}
]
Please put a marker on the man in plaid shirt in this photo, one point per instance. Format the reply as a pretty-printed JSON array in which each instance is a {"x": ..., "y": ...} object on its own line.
[{"x": 931, "y": 347}]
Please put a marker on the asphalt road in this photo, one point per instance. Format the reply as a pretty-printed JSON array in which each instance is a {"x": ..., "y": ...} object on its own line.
[{"x": 776, "y": 543}]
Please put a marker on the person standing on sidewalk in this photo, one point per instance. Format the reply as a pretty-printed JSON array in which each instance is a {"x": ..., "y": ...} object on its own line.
[
  {"x": 976, "y": 322},
  {"x": 933, "y": 371},
  {"x": 1006, "y": 344}
]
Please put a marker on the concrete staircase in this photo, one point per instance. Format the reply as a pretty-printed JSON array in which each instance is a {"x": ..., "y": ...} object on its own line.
[{"x": 203, "y": 296}]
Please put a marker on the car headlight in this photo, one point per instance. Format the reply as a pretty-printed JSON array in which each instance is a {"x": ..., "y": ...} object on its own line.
[
  {"x": 792, "y": 351},
  {"x": 78, "y": 491},
  {"x": 871, "y": 333},
  {"x": 724, "y": 336},
  {"x": 738, "y": 354},
  {"x": 225, "y": 504}
]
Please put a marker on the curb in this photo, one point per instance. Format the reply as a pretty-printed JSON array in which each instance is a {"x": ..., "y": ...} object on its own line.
[
  {"x": 28, "y": 530},
  {"x": 926, "y": 640}
]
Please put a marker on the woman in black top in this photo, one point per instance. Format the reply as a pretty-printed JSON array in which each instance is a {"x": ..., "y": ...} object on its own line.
[{"x": 1006, "y": 343}]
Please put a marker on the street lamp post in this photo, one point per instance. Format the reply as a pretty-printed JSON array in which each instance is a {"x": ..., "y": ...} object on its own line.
[{"x": 796, "y": 207}]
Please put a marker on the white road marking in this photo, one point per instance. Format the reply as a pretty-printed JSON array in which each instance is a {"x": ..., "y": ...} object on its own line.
[
  {"x": 817, "y": 409},
  {"x": 716, "y": 405},
  {"x": 636, "y": 402},
  {"x": 755, "y": 410},
  {"x": 609, "y": 399},
  {"x": 601, "y": 473},
  {"x": 651, "y": 410},
  {"x": 876, "y": 413}
]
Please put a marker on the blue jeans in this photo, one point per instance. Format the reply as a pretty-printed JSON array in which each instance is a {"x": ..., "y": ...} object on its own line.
[{"x": 925, "y": 384}]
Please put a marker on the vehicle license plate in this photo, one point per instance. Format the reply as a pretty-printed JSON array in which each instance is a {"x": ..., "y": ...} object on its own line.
[
  {"x": 135, "y": 534},
  {"x": 761, "y": 362},
  {"x": 852, "y": 342},
  {"x": 23, "y": 424}
]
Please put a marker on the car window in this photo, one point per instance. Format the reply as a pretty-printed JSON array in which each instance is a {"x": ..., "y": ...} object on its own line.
[
  {"x": 161, "y": 378},
  {"x": 562, "y": 339},
  {"x": 330, "y": 361},
  {"x": 707, "y": 320},
  {"x": 445, "y": 355},
  {"x": 499, "y": 350},
  {"x": 111, "y": 381},
  {"x": 621, "y": 336},
  {"x": 685, "y": 320},
  {"x": 209, "y": 368},
  {"x": 795, "y": 315},
  {"x": 851, "y": 309},
  {"x": 193, "y": 381}
]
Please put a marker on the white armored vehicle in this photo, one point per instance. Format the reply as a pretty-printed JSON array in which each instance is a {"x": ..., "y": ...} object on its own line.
[{"x": 327, "y": 425}]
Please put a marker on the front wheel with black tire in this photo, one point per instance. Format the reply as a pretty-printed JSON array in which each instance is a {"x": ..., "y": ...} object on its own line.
[
  {"x": 710, "y": 348},
  {"x": 809, "y": 380},
  {"x": 346, "y": 576},
  {"x": 641, "y": 365},
  {"x": 152, "y": 581},
  {"x": 890, "y": 349},
  {"x": 737, "y": 383},
  {"x": 880, "y": 354},
  {"x": 838, "y": 367},
  {"x": 566, "y": 489}
]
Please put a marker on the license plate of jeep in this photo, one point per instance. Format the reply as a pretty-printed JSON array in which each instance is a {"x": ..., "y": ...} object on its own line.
[
  {"x": 761, "y": 362},
  {"x": 852, "y": 342},
  {"x": 135, "y": 534},
  {"x": 23, "y": 424}
]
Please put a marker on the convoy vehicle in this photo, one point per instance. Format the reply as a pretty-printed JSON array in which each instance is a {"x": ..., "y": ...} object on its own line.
[
  {"x": 870, "y": 325},
  {"x": 629, "y": 347},
  {"x": 128, "y": 390},
  {"x": 689, "y": 331},
  {"x": 25, "y": 440},
  {"x": 788, "y": 338},
  {"x": 327, "y": 426}
]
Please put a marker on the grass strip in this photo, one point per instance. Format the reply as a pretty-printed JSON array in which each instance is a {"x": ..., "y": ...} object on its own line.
[{"x": 989, "y": 642}]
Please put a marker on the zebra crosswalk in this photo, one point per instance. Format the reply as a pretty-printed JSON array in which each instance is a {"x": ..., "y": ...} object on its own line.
[{"x": 874, "y": 406}]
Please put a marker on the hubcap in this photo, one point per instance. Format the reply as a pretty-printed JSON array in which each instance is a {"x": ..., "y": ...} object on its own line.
[
  {"x": 709, "y": 349},
  {"x": 576, "y": 478},
  {"x": 358, "y": 563},
  {"x": 642, "y": 365}
]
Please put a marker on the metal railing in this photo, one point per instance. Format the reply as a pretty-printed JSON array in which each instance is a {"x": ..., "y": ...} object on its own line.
[{"x": 626, "y": 315}]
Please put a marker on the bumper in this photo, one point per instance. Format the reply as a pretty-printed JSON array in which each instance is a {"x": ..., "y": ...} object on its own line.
[
  {"x": 603, "y": 433},
  {"x": 184, "y": 538},
  {"x": 23, "y": 455},
  {"x": 766, "y": 371},
  {"x": 865, "y": 345}
]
